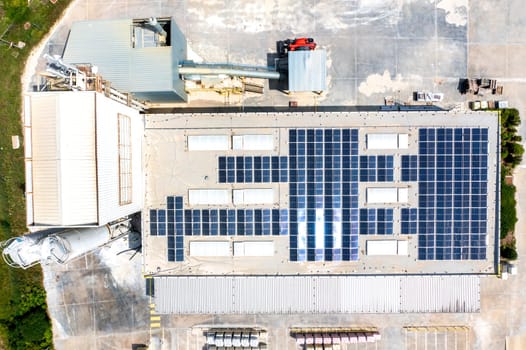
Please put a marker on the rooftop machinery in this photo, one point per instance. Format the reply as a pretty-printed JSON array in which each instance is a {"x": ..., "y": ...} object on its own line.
[
  {"x": 61, "y": 76},
  {"x": 299, "y": 66}
]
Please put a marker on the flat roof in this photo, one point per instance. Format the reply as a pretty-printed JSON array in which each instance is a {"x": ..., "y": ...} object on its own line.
[{"x": 316, "y": 179}]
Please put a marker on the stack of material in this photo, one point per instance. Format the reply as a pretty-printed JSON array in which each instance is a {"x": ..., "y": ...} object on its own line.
[{"x": 326, "y": 340}]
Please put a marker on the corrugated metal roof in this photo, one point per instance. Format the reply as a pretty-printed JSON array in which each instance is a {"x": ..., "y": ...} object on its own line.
[
  {"x": 445, "y": 294},
  {"x": 72, "y": 162},
  {"x": 316, "y": 294},
  {"x": 63, "y": 161},
  {"x": 108, "y": 183},
  {"x": 107, "y": 44},
  {"x": 151, "y": 69},
  {"x": 307, "y": 70}
]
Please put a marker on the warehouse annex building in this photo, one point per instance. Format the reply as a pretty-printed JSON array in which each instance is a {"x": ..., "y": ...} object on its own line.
[
  {"x": 83, "y": 159},
  {"x": 320, "y": 212}
]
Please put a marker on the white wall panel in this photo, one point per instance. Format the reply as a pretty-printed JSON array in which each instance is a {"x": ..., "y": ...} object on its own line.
[
  {"x": 253, "y": 142},
  {"x": 210, "y": 248}
]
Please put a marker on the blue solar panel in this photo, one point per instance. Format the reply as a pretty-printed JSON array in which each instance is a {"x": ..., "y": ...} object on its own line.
[
  {"x": 376, "y": 221},
  {"x": 376, "y": 168},
  {"x": 317, "y": 230},
  {"x": 408, "y": 220},
  {"x": 409, "y": 168},
  {"x": 324, "y": 219},
  {"x": 452, "y": 189}
]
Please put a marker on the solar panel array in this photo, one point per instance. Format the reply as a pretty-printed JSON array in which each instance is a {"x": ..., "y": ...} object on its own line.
[
  {"x": 169, "y": 222},
  {"x": 323, "y": 194},
  {"x": 376, "y": 168},
  {"x": 176, "y": 222},
  {"x": 408, "y": 221},
  {"x": 252, "y": 169},
  {"x": 409, "y": 168},
  {"x": 323, "y": 220},
  {"x": 452, "y": 182},
  {"x": 376, "y": 221},
  {"x": 235, "y": 222}
]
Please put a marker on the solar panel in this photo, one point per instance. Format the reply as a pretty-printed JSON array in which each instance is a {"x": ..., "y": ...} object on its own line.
[
  {"x": 452, "y": 194},
  {"x": 376, "y": 168},
  {"x": 409, "y": 168},
  {"x": 323, "y": 219},
  {"x": 317, "y": 229}
]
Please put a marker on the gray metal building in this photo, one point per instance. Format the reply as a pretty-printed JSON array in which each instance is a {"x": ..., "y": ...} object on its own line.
[
  {"x": 307, "y": 70},
  {"x": 316, "y": 294},
  {"x": 128, "y": 56}
]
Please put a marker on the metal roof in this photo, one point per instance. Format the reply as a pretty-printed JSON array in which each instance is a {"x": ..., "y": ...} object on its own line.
[
  {"x": 71, "y": 159},
  {"x": 63, "y": 159},
  {"x": 150, "y": 73},
  {"x": 316, "y": 294},
  {"x": 307, "y": 70}
]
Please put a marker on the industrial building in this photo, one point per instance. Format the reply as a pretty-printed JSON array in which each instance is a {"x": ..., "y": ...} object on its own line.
[
  {"x": 83, "y": 159},
  {"x": 308, "y": 195},
  {"x": 376, "y": 189},
  {"x": 137, "y": 56}
]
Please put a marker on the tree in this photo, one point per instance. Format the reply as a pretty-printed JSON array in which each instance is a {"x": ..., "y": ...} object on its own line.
[
  {"x": 17, "y": 10},
  {"x": 509, "y": 253},
  {"x": 517, "y": 149}
]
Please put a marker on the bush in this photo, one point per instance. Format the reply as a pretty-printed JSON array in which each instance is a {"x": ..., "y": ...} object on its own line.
[
  {"x": 511, "y": 149},
  {"x": 509, "y": 253},
  {"x": 510, "y": 118},
  {"x": 31, "y": 298},
  {"x": 29, "y": 331},
  {"x": 508, "y": 213}
]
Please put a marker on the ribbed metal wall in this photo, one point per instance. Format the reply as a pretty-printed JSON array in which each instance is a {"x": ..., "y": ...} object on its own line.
[
  {"x": 307, "y": 70},
  {"x": 150, "y": 73},
  {"x": 316, "y": 294},
  {"x": 444, "y": 294}
]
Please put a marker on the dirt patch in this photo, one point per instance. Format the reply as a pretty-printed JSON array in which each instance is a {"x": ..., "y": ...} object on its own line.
[{"x": 508, "y": 241}]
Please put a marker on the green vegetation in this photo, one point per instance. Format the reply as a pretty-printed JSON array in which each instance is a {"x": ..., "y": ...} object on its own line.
[
  {"x": 508, "y": 216},
  {"x": 511, "y": 155},
  {"x": 511, "y": 149},
  {"x": 508, "y": 252},
  {"x": 24, "y": 323}
]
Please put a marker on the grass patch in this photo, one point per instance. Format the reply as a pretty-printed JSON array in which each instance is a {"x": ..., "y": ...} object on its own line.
[{"x": 23, "y": 319}]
